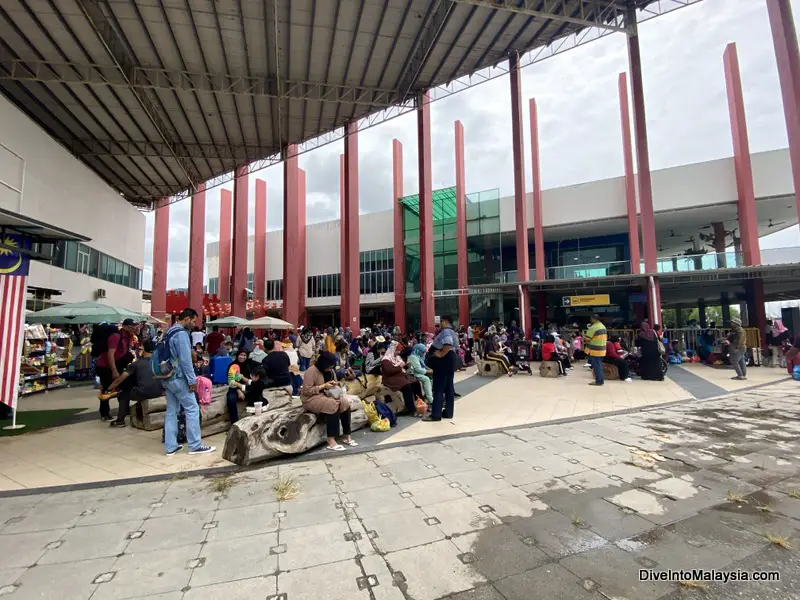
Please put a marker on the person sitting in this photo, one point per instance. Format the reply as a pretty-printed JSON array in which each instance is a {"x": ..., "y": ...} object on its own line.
[
  {"x": 792, "y": 357},
  {"x": 372, "y": 364},
  {"x": 305, "y": 350},
  {"x": 258, "y": 354},
  {"x": 255, "y": 391},
  {"x": 343, "y": 370},
  {"x": 198, "y": 349},
  {"x": 493, "y": 353},
  {"x": 396, "y": 379},
  {"x": 613, "y": 358},
  {"x": 650, "y": 359},
  {"x": 418, "y": 368},
  {"x": 229, "y": 349},
  {"x": 317, "y": 380},
  {"x": 135, "y": 383},
  {"x": 549, "y": 353},
  {"x": 238, "y": 379},
  {"x": 276, "y": 366}
]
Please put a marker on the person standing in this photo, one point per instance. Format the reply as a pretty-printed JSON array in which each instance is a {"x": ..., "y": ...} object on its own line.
[
  {"x": 214, "y": 340},
  {"x": 737, "y": 343},
  {"x": 198, "y": 337},
  {"x": 180, "y": 388},
  {"x": 116, "y": 357},
  {"x": 596, "y": 339},
  {"x": 305, "y": 350},
  {"x": 444, "y": 368}
]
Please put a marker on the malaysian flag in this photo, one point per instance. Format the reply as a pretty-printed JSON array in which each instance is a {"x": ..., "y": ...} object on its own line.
[{"x": 13, "y": 289}]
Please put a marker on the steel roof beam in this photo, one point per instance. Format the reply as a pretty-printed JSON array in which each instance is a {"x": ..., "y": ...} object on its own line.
[
  {"x": 137, "y": 149},
  {"x": 592, "y": 13}
]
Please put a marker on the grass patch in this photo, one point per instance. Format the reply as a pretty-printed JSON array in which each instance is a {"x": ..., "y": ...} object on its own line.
[
  {"x": 794, "y": 494},
  {"x": 736, "y": 497},
  {"x": 576, "y": 520},
  {"x": 35, "y": 420},
  {"x": 180, "y": 475},
  {"x": 692, "y": 584},
  {"x": 764, "y": 508},
  {"x": 780, "y": 541},
  {"x": 221, "y": 485},
  {"x": 286, "y": 488}
]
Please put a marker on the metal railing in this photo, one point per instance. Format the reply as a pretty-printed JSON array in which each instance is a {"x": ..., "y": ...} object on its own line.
[
  {"x": 602, "y": 269},
  {"x": 511, "y": 276},
  {"x": 685, "y": 338},
  {"x": 781, "y": 256},
  {"x": 698, "y": 262}
]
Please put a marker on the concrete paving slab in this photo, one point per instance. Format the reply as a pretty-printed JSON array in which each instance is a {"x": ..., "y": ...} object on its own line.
[
  {"x": 431, "y": 491},
  {"x": 25, "y": 549},
  {"x": 45, "y": 518},
  {"x": 453, "y": 463},
  {"x": 461, "y": 516},
  {"x": 558, "y": 466},
  {"x": 550, "y": 581},
  {"x": 380, "y": 500},
  {"x": 352, "y": 462},
  {"x": 497, "y": 552},
  {"x": 606, "y": 519},
  {"x": 93, "y": 541},
  {"x": 304, "y": 512},
  {"x": 478, "y": 481},
  {"x": 244, "y": 521},
  {"x": 556, "y": 535},
  {"x": 337, "y": 580},
  {"x": 510, "y": 504},
  {"x": 253, "y": 493},
  {"x": 168, "y": 532},
  {"x": 237, "y": 559},
  {"x": 702, "y": 531},
  {"x": 483, "y": 592},
  {"x": 632, "y": 474},
  {"x": 315, "y": 545},
  {"x": 520, "y": 473},
  {"x": 134, "y": 507},
  {"x": 405, "y": 529},
  {"x": 591, "y": 458},
  {"x": 68, "y": 580},
  {"x": 353, "y": 481},
  {"x": 244, "y": 589},
  {"x": 377, "y": 570},
  {"x": 186, "y": 500},
  {"x": 408, "y": 471}
]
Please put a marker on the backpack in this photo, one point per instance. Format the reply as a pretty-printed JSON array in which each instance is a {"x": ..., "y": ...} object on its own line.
[
  {"x": 162, "y": 364},
  {"x": 99, "y": 339},
  {"x": 384, "y": 412},
  {"x": 796, "y": 373},
  {"x": 204, "y": 390}
]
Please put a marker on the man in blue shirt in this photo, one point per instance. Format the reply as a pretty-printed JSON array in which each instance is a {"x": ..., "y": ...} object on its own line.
[
  {"x": 180, "y": 388},
  {"x": 443, "y": 364}
]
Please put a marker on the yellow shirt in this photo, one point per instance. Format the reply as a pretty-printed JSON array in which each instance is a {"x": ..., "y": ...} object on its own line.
[{"x": 597, "y": 334}]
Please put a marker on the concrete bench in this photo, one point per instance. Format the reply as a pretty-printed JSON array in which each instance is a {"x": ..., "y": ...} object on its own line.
[
  {"x": 490, "y": 368},
  {"x": 548, "y": 368}
]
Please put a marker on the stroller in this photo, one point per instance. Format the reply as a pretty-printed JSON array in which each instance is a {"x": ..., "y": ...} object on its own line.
[{"x": 523, "y": 350}]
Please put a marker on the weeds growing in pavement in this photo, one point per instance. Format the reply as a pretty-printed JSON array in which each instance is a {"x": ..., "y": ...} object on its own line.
[
  {"x": 576, "y": 520},
  {"x": 286, "y": 488},
  {"x": 780, "y": 541},
  {"x": 794, "y": 494},
  {"x": 764, "y": 508},
  {"x": 692, "y": 584},
  {"x": 736, "y": 497},
  {"x": 222, "y": 484}
]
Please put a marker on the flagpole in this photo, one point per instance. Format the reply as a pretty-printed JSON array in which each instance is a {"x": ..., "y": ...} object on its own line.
[{"x": 15, "y": 387}]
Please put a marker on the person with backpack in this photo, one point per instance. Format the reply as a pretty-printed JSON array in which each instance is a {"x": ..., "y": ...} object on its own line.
[
  {"x": 112, "y": 349},
  {"x": 136, "y": 383},
  {"x": 172, "y": 364}
]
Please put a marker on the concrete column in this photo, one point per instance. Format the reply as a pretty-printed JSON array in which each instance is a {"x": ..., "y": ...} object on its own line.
[
  {"x": 239, "y": 254},
  {"x": 719, "y": 244},
  {"x": 538, "y": 225},
  {"x": 225, "y": 220},
  {"x": 679, "y": 317},
  {"x": 353, "y": 280},
  {"x": 158, "y": 302},
  {"x": 399, "y": 237},
  {"x": 520, "y": 214},
  {"x": 425, "y": 212},
  {"x": 291, "y": 235},
  {"x": 748, "y": 219},
  {"x": 197, "y": 249},
  {"x": 756, "y": 311},
  {"x": 784, "y": 37},
  {"x": 701, "y": 312},
  {"x": 725, "y": 304},
  {"x": 630, "y": 176},
  {"x": 461, "y": 225},
  {"x": 344, "y": 307},
  {"x": 260, "y": 250},
  {"x": 300, "y": 260}
]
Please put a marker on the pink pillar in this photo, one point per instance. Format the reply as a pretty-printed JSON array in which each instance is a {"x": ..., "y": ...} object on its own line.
[
  {"x": 630, "y": 181},
  {"x": 239, "y": 256},
  {"x": 784, "y": 37},
  {"x": 197, "y": 249},
  {"x": 300, "y": 261},
  {"x": 344, "y": 311},
  {"x": 538, "y": 224},
  {"x": 260, "y": 250},
  {"x": 427, "y": 309},
  {"x": 158, "y": 302},
  {"x": 353, "y": 280},
  {"x": 399, "y": 237},
  {"x": 461, "y": 224},
  {"x": 748, "y": 220},
  {"x": 291, "y": 236},
  {"x": 520, "y": 214},
  {"x": 225, "y": 219}
]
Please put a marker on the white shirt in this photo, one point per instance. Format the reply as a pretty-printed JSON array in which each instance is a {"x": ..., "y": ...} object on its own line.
[{"x": 198, "y": 337}]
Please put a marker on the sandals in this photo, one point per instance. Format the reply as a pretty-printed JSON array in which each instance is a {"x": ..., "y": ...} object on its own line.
[
  {"x": 336, "y": 448},
  {"x": 352, "y": 443}
]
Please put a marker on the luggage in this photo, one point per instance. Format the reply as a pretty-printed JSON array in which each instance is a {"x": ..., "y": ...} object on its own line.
[{"x": 218, "y": 369}]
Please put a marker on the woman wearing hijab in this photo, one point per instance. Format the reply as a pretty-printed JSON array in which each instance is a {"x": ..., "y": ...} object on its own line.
[
  {"x": 238, "y": 380},
  {"x": 372, "y": 363},
  {"x": 417, "y": 367},
  {"x": 316, "y": 381},
  {"x": 396, "y": 379},
  {"x": 650, "y": 359},
  {"x": 330, "y": 341},
  {"x": 258, "y": 354}
]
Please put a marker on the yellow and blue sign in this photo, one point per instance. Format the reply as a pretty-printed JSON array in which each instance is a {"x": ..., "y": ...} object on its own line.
[
  {"x": 593, "y": 300},
  {"x": 14, "y": 258}
]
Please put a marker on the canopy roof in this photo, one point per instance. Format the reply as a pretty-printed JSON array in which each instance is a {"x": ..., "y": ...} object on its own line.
[{"x": 159, "y": 96}]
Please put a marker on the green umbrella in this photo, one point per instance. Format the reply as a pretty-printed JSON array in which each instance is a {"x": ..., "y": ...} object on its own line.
[
  {"x": 84, "y": 313},
  {"x": 229, "y": 322}
]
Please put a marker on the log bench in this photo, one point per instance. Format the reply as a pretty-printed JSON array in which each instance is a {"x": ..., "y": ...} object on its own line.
[
  {"x": 610, "y": 372},
  {"x": 548, "y": 368},
  {"x": 489, "y": 368}
]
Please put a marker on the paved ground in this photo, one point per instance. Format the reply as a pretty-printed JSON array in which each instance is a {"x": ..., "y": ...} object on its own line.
[{"x": 567, "y": 511}]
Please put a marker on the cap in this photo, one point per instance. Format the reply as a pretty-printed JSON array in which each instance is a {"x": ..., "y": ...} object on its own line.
[
  {"x": 129, "y": 323},
  {"x": 380, "y": 339},
  {"x": 737, "y": 321}
]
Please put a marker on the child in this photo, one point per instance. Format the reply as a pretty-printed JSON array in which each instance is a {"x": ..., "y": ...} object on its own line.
[
  {"x": 255, "y": 391},
  {"x": 229, "y": 348}
]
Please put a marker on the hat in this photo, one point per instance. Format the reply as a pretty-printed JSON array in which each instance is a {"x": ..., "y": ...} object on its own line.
[
  {"x": 737, "y": 321},
  {"x": 129, "y": 323},
  {"x": 380, "y": 339}
]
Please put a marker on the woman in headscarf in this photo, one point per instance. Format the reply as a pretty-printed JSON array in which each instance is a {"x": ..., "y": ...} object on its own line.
[
  {"x": 418, "y": 368},
  {"x": 650, "y": 358},
  {"x": 343, "y": 369},
  {"x": 317, "y": 380},
  {"x": 330, "y": 341},
  {"x": 492, "y": 348},
  {"x": 372, "y": 364},
  {"x": 777, "y": 336},
  {"x": 305, "y": 350},
  {"x": 238, "y": 379},
  {"x": 396, "y": 379},
  {"x": 247, "y": 340}
]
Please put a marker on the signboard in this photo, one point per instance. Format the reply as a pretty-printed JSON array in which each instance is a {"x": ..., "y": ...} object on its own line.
[
  {"x": 593, "y": 300},
  {"x": 437, "y": 320}
]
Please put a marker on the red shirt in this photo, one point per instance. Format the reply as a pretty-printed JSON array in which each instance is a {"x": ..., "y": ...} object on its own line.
[
  {"x": 611, "y": 350},
  {"x": 121, "y": 344},
  {"x": 214, "y": 341},
  {"x": 548, "y": 350}
]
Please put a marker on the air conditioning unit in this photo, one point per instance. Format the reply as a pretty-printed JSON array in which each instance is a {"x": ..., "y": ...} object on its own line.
[{"x": 99, "y": 293}]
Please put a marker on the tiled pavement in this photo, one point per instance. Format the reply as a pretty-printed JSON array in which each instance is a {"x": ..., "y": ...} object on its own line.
[{"x": 558, "y": 512}]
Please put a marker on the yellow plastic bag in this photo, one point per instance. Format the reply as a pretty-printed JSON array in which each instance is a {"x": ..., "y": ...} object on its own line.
[
  {"x": 380, "y": 425},
  {"x": 372, "y": 412}
]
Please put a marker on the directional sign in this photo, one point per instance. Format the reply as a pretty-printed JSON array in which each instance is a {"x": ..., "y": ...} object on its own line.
[{"x": 593, "y": 300}]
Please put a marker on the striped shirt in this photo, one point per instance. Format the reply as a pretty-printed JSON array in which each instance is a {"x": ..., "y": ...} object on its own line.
[{"x": 598, "y": 336}]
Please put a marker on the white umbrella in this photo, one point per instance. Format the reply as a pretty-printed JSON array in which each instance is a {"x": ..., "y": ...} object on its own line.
[
  {"x": 269, "y": 323},
  {"x": 230, "y": 322}
]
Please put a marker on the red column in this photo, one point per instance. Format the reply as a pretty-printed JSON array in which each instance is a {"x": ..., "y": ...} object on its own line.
[
  {"x": 300, "y": 260},
  {"x": 521, "y": 218},
  {"x": 630, "y": 181},
  {"x": 239, "y": 254},
  {"x": 461, "y": 224},
  {"x": 538, "y": 223},
  {"x": 197, "y": 242},
  {"x": 291, "y": 236},
  {"x": 353, "y": 280},
  {"x": 399, "y": 237},
  {"x": 225, "y": 219},
  {"x": 158, "y": 302},
  {"x": 784, "y": 37},
  {"x": 260, "y": 250},
  {"x": 748, "y": 220},
  {"x": 425, "y": 211},
  {"x": 344, "y": 316}
]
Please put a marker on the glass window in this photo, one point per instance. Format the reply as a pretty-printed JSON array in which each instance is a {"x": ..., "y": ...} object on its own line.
[
  {"x": 94, "y": 259},
  {"x": 71, "y": 256}
]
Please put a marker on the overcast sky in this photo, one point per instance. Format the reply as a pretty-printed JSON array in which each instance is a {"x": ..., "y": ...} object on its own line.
[{"x": 579, "y": 131}]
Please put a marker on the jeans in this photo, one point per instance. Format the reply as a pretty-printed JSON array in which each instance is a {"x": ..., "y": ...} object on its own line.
[
  {"x": 739, "y": 363},
  {"x": 231, "y": 398},
  {"x": 333, "y": 423},
  {"x": 297, "y": 383},
  {"x": 408, "y": 398},
  {"x": 303, "y": 363},
  {"x": 597, "y": 365},
  {"x": 106, "y": 377},
  {"x": 178, "y": 395},
  {"x": 444, "y": 392}
]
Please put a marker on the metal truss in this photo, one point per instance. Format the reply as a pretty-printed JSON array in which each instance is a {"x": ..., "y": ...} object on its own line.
[
  {"x": 590, "y": 13},
  {"x": 147, "y": 149}
]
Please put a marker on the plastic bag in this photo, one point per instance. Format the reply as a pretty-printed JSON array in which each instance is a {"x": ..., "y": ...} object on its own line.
[
  {"x": 372, "y": 412},
  {"x": 380, "y": 425},
  {"x": 421, "y": 406}
]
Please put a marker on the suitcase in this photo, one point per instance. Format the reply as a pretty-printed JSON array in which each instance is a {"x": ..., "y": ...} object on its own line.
[{"x": 218, "y": 369}]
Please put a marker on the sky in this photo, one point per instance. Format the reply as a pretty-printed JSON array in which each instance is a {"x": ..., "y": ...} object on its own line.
[{"x": 579, "y": 129}]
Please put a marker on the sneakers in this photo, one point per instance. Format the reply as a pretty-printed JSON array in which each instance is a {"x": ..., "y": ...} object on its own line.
[
  {"x": 629, "y": 380},
  {"x": 174, "y": 452},
  {"x": 203, "y": 450},
  {"x": 117, "y": 424}
]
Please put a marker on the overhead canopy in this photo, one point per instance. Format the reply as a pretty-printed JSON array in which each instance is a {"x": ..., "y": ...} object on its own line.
[
  {"x": 84, "y": 313},
  {"x": 229, "y": 322},
  {"x": 16, "y": 223},
  {"x": 158, "y": 97},
  {"x": 269, "y": 323}
]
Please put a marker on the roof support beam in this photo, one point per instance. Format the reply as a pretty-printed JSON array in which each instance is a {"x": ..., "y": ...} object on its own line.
[
  {"x": 592, "y": 13},
  {"x": 424, "y": 44},
  {"x": 146, "y": 149}
]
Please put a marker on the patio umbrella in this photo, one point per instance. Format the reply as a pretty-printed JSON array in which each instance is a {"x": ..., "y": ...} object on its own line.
[
  {"x": 84, "y": 313},
  {"x": 229, "y": 322},
  {"x": 269, "y": 323}
]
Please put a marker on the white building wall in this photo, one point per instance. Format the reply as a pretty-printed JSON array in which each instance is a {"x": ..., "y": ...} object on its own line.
[
  {"x": 61, "y": 191},
  {"x": 376, "y": 231},
  {"x": 593, "y": 201},
  {"x": 323, "y": 247},
  {"x": 772, "y": 173}
]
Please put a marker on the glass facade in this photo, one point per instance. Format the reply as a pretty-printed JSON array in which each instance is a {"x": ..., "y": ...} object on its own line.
[
  {"x": 486, "y": 260},
  {"x": 376, "y": 271},
  {"x": 275, "y": 289},
  {"x": 80, "y": 258},
  {"x": 321, "y": 286},
  {"x": 213, "y": 285}
]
